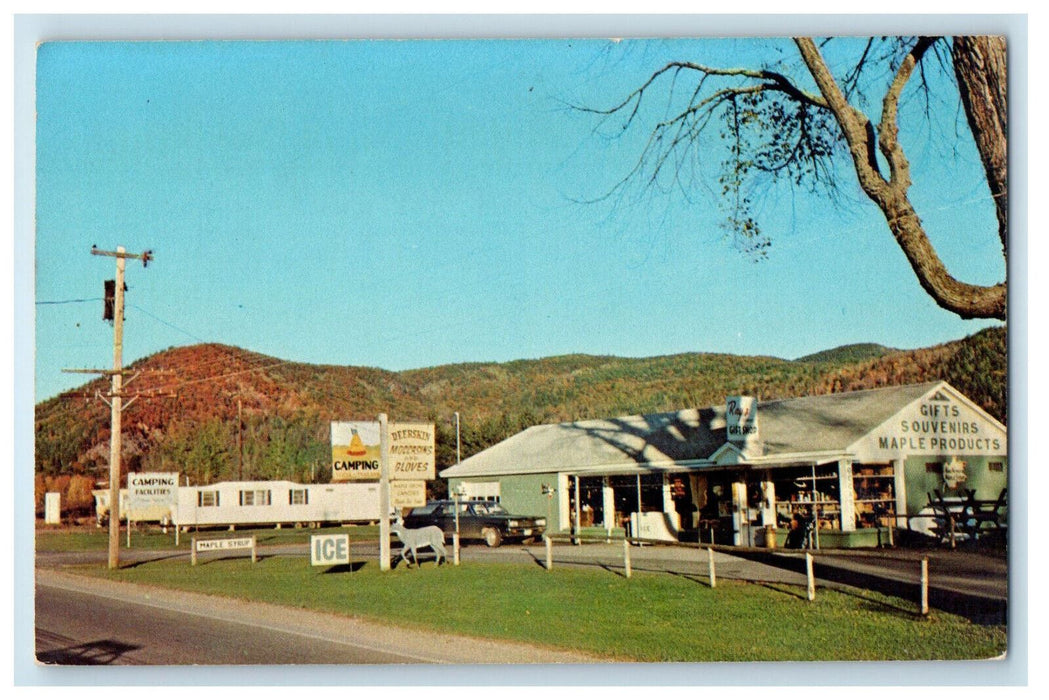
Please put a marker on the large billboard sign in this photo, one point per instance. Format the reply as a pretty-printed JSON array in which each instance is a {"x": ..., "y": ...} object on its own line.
[{"x": 355, "y": 451}]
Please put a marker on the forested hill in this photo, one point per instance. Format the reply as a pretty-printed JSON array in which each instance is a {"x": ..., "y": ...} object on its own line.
[{"x": 285, "y": 407}]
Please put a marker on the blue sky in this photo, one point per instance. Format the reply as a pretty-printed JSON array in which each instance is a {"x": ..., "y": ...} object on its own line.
[{"x": 406, "y": 204}]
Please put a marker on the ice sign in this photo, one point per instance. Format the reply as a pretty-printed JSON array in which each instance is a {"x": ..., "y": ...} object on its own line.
[{"x": 329, "y": 550}]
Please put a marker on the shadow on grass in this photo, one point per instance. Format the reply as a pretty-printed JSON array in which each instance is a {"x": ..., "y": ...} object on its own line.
[
  {"x": 344, "y": 568},
  {"x": 412, "y": 564},
  {"x": 703, "y": 581},
  {"x": 217, "y": 559},
  {"x": 783, "y": 588},
  {"x": 875, "y": 605},
  {"x": 152, "y": 560}
]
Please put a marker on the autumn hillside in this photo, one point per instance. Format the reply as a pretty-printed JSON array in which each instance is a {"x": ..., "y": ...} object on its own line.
[{"x": 286, "y": 407}]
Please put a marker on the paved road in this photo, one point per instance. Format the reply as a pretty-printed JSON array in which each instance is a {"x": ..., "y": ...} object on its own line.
[{"x": 85, "y": 621}]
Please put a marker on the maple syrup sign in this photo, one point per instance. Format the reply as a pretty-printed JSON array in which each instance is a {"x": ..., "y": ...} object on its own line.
[{"x": 355, "y": 451}]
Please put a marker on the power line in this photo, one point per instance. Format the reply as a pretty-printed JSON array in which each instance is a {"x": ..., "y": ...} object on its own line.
[
  {"x": 68, "y": 301},
  {"x": 167, "y": 323}
]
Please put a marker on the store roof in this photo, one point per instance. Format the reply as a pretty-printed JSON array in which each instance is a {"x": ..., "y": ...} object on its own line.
[{"x": 664, "y": 440}]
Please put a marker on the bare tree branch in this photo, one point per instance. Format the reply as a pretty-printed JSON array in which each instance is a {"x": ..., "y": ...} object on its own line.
[
  {"x": 771, "y": 126},
  {"x": 966, "y": 300}
]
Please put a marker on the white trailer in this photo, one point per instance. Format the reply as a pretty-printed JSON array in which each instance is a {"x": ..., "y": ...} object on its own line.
[
  {"x": 232, "y": 503},
  {"x": 275, "y": 503}
]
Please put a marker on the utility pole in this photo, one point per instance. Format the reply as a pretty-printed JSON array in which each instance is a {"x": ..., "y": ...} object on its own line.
[
  {"x": 240, "y": 442},
  {"x": 116, "y": 394},
  {"x": 458, "y": 447}
]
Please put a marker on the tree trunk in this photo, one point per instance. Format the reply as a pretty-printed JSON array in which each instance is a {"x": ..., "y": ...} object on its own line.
[
  {"x": 984, "y": 65},
  {"x": 981, "y": 68}
]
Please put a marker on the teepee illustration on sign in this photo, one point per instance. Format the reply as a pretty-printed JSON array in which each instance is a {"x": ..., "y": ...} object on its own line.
[{"x": 356, "y": 448}]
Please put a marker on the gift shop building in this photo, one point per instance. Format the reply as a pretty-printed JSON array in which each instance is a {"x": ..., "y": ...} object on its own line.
[{"x": 855, "y": 466}]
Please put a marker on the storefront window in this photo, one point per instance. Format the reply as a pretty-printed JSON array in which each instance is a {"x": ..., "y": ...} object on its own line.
[
  {"x": 875, "y": 489},
  {"x": 808, "y": 493}
]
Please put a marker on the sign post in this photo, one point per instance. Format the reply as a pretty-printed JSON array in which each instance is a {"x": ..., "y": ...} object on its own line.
[
  {"x": 384, "y": 493},
  {"x": 399, "y": 455}
]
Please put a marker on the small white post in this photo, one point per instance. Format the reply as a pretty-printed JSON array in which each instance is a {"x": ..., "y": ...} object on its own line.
[
  {"x": 809, "y": 575},
  {"x": 549, "y": 552},
  {"x": 193, "y": 551},
  {"x": 177, "y": 528},
  {"x": 254, "y": 550},
  {"x": 925, "y": 585},
  {"x": 626, "y": 557},
  {"x": 129, "y": 531},
  {"x": 710, "y": 568},
  {"x": 455, "y": 548}
]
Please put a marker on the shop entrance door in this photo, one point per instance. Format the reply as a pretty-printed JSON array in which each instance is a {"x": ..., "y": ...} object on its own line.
[{"x": 728, "y": 510}]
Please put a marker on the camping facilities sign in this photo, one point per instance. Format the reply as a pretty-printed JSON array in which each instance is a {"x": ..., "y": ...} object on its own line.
[{"x": 151, "y": 495}]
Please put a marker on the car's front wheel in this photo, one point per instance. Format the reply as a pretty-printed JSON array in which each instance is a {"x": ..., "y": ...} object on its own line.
[{"x": 492, "y": 537}]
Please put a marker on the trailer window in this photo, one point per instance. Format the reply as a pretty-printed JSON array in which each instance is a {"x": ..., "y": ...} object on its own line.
[
  {"x": 255, "y": 498},
  {"x": 207, "y": 499},
  {"x": 298, "y": 497}
]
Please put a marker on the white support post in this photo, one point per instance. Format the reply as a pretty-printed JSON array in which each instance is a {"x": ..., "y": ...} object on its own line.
[
  {"x": 455, "y": 548},
  {"x": 710, "y": 568},
  {"x": 809, "y": 575},
  {"x": 254, "y": 550},
  {"x": 575, "y": 511},
  {"x": 768, "y": 501},
  {"x": 925, "y": 586},
  {"x": 846, "y": 496},
  {"x": 626, "y": 557},
  {"x": 549, "y": 552},
  {"x": 193, "y": 551}
]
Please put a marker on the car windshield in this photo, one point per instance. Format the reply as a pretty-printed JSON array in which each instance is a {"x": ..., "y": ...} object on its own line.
[{"x": 489, "y": 509}]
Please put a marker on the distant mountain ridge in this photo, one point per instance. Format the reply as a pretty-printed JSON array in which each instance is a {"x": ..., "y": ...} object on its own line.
[
  {"x": 285, "y": 407},
  {"x": 856, "y": 352}
]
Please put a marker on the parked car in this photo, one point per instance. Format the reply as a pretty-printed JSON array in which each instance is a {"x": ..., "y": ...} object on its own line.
[{"x": 478, "y": 520}]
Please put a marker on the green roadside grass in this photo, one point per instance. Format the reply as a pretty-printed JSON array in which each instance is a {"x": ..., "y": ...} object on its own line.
[
  {"x": 154, "y": 539},
  {"x": 649, "y": 617}
]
